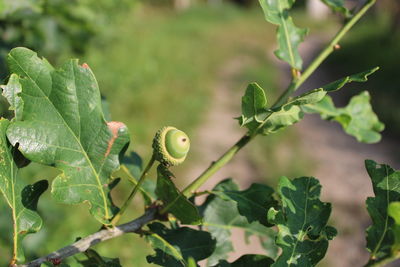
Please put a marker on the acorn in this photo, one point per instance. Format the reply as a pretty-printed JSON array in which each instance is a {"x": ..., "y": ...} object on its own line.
[{"x": 170, "y": 146}]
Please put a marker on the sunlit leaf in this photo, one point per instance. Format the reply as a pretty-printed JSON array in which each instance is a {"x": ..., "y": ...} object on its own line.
[
  {"x": 62, "y": 125},
  {"x": 278, "y": 120},
  {"x": 357, "y": 118},
  {"x": 288, "y": 35},
  {"x": 254, "y": 102},
  {"x": 381, "y": 235},
  {"x": 257, "y": 117},
  {"x": 22, "y": 199},
  {"x": 394, "y": 212},
  {"x": 302, "y": 222}
]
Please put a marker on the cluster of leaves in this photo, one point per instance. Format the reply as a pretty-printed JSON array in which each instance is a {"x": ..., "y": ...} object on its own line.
[{"x": 357, "y": 118}]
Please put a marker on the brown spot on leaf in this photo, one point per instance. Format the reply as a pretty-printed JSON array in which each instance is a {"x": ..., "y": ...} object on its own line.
[
  {"x": 85, "y": 66},
  {"x": 114, "y": 127}
]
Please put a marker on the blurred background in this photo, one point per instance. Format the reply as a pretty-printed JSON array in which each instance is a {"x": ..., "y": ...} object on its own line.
[{"x": 187, "y": 63}]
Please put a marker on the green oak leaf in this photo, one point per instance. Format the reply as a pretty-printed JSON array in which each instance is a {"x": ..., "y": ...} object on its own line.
[
  {"x": 61, "y": 124},
  {"x": 222, "y": 213},
  {"x": 358, "y": 77},
  {"x": 181, "y": 207},
  {"x": 257, "y": 117},
  {"x": 394, "y": 212},
  {"x": 252, "y": 203},
  {"x": 383, "y": 233},
  {"x": 254, "y": 102},
  {"x": 10, "y": 92},
  {"x": 248, "y": 260},
  {"x": 310, "y": 97},
  {"x": 338, "y": 6},
  {"x": 288, "y": 35},
  {"x": 302, "y": 223},
  {"x": 357, "y": 118},
  {"x": 287, "y": 115},
  {"x": 21, "y": 198},
  {"x": 174, "y": 247}
]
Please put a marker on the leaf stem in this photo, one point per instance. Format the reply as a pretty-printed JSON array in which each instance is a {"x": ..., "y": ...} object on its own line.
[
  {"x": 297, "y": 81},
  {"x": 134, "y": 181},
  {"x": 102, "y": 235},
  {"x": 383, "y": 262},
  {"x": 216, "y": 165},
  {"x": 118, "y": 216}
]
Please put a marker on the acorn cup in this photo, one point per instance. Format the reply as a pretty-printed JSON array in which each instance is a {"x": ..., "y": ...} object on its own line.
[{"x": 170, "y": 146}]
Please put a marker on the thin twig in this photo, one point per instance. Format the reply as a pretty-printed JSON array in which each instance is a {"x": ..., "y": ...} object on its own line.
[
  {"x": 118, "y": 216},
  {"x": 93, "y": 239}
]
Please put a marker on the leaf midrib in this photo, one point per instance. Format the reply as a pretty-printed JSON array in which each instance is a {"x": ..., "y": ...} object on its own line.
[
  {"x": 387, "y": 215},
  {"x": 286, "y": 35},
  {"x": 73, "y": 134},
  {"x": 304, "y": 222}
]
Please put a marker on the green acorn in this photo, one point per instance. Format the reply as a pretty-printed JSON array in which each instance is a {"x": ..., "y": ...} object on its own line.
[{"x": 170, "y": 146}]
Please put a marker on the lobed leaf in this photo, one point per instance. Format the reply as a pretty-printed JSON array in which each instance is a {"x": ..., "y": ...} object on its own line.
[
  {"x": 252, "y": 203},
  {"x": 256, "y": 116},
  {"x": 382, "y": 235},
  {"x": 174, "y": 247},
  {"x": 181, "y": 207},
  {"x": 223, "y": 213},
  {"x": 358, "y": 77},
  {"x": 61, "y": 124},
  {"x": 288, "y": 35},
  {"x": 302, "y": 222},
  {"x": 21, "y": 198},
  {"x": 357, "y": 118},
  {"x": 280, "y": 119}
]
